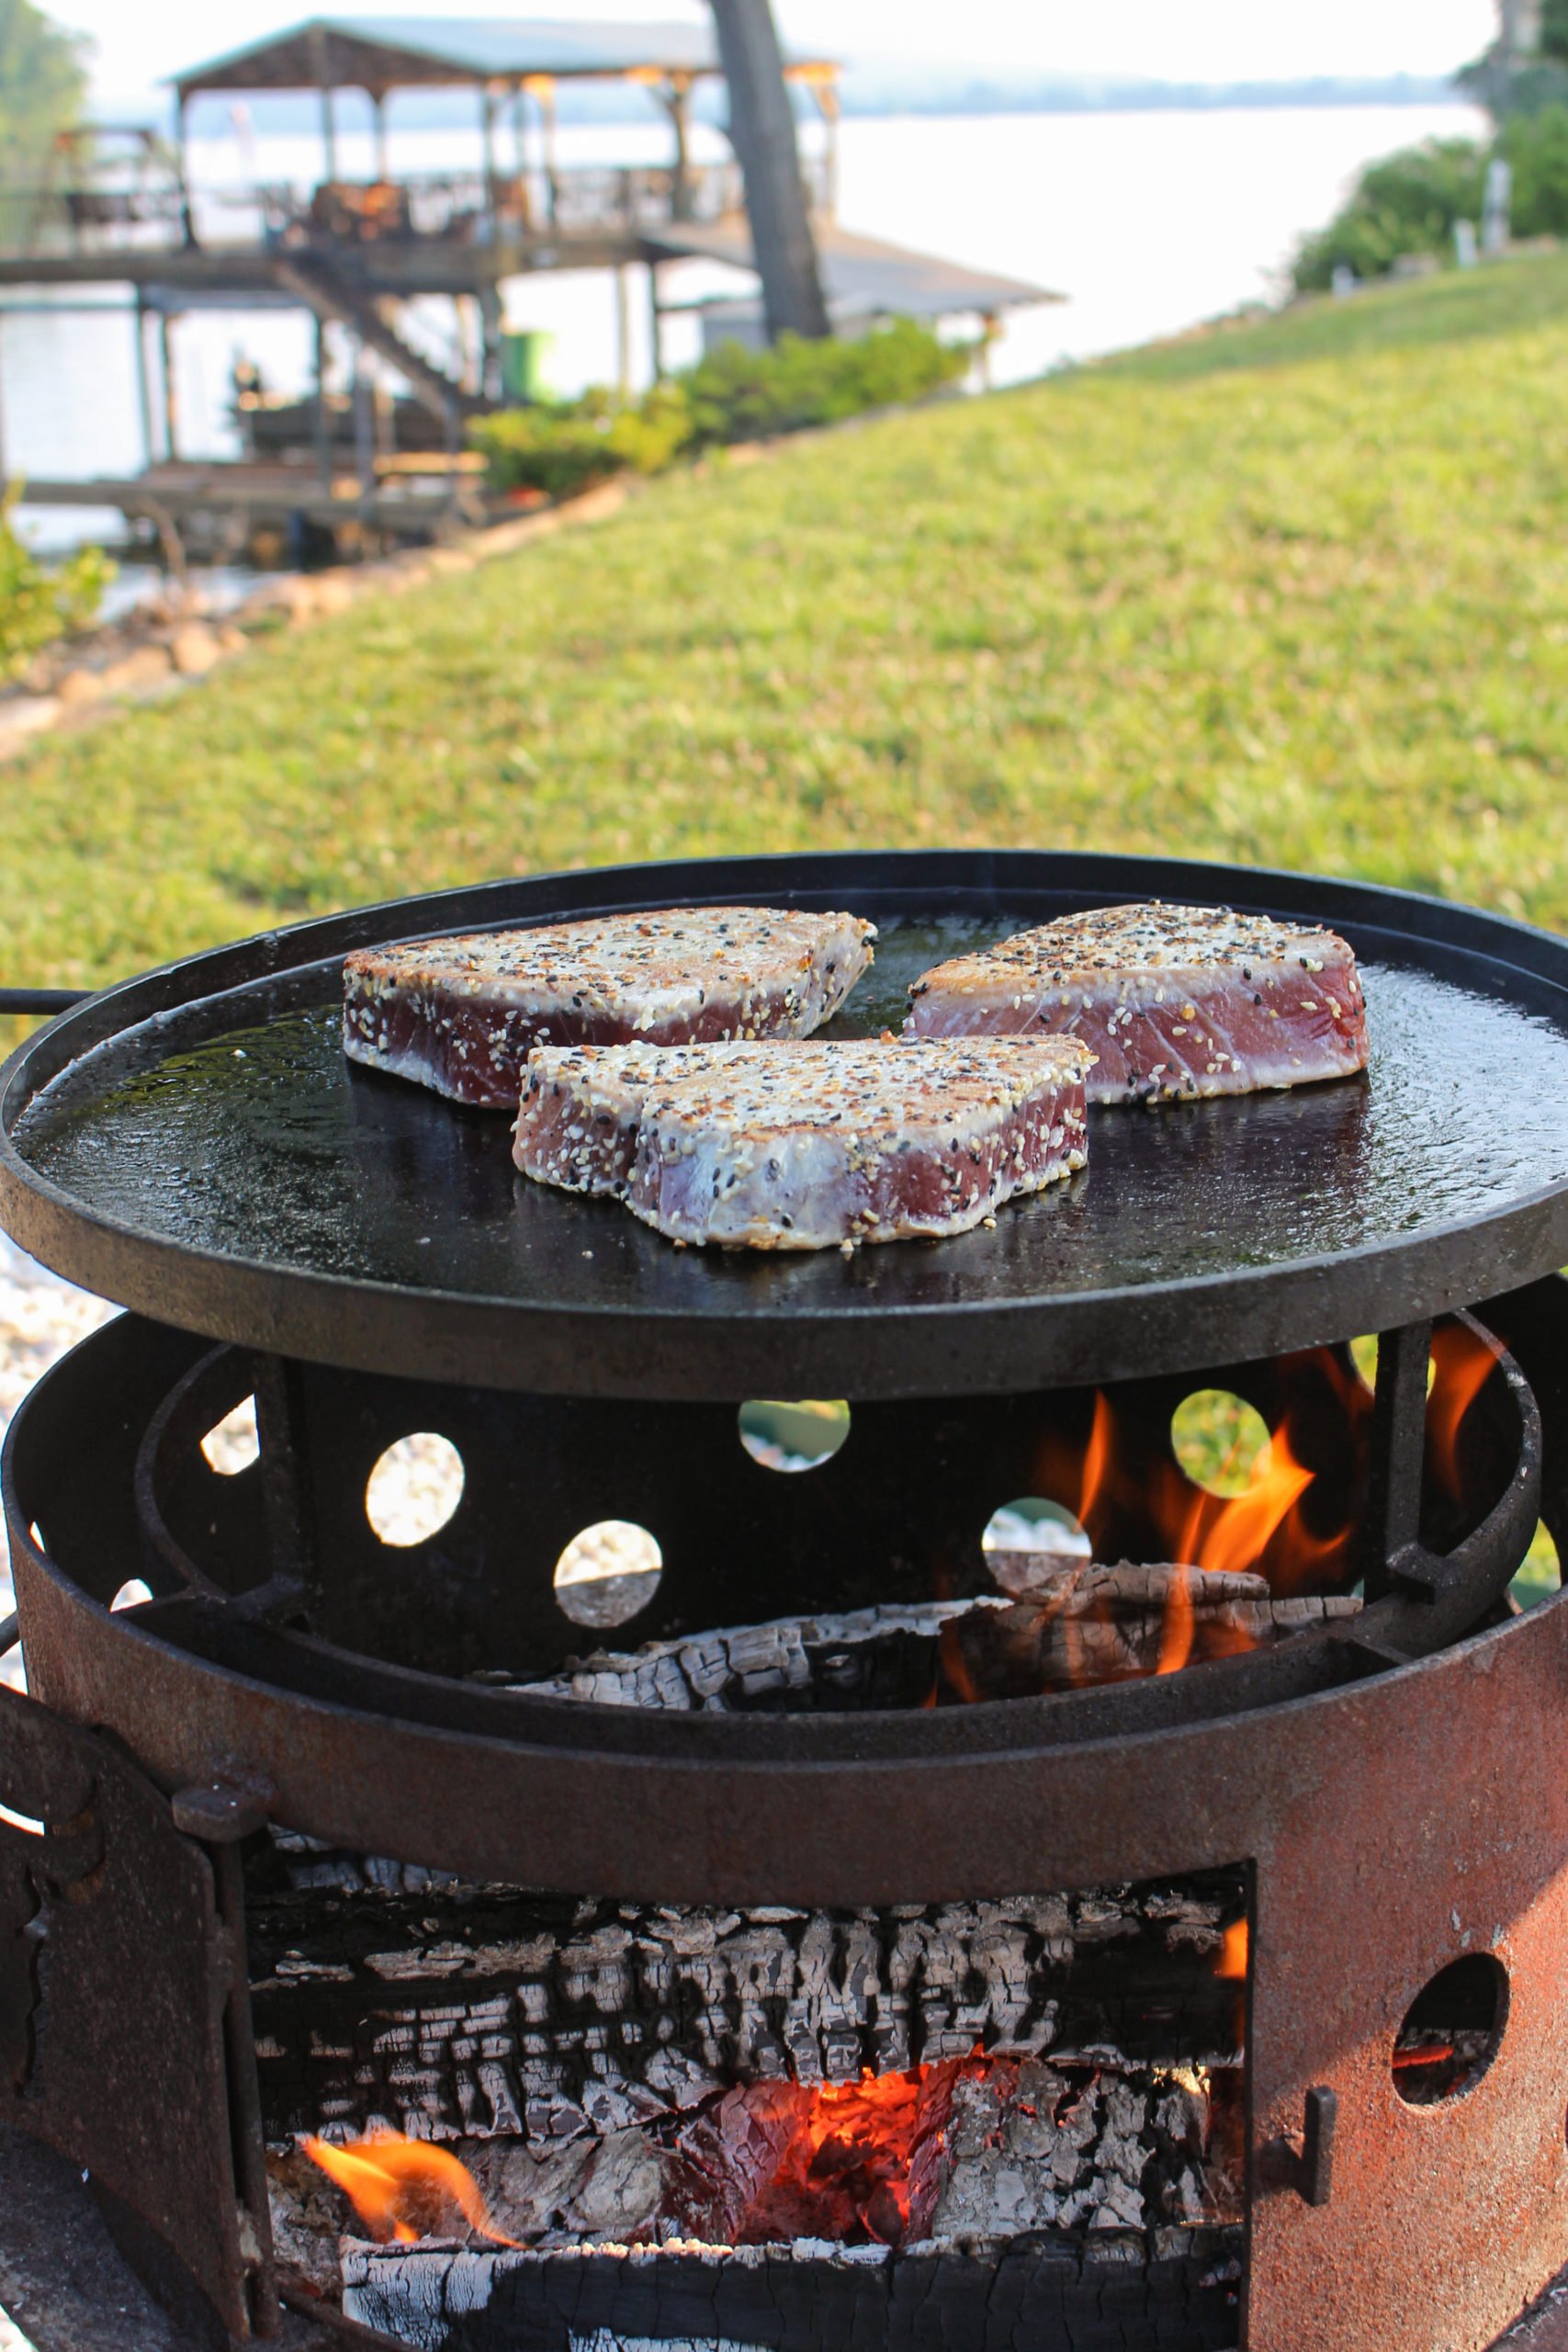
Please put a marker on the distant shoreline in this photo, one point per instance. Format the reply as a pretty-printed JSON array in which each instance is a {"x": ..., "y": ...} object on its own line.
[
  {"x": 868, "y": 93},
  {"x": 1155, "y": 97}
]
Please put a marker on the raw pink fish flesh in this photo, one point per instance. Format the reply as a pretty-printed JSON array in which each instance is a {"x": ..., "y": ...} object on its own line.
[
  {"x": 463, "y": 1014},
  {"x": 1174, "y": 1002},
  {"x": 810, "y": 1145}
]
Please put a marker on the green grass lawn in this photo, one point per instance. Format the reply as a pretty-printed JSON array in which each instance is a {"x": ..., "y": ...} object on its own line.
[{"x": 1296, "y": 592}]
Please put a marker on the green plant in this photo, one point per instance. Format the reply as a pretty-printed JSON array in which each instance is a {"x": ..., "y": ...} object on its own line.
[
  {"x": 44, "y": 82},
  {"x": 36, "y": 603},
  {"x": 1406, "y": 204},
  {"x": 739, "y": 392},
  {"x": 1537, "y": 147}
]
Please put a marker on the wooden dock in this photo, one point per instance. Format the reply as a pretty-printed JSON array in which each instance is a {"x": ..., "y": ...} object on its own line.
[{"x": 352, "y": 254}]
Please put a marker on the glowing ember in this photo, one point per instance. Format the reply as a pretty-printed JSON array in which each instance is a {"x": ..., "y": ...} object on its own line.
[
  {"x": 405, "y": 2188},
  {"x": 1437, "y": 2053},
  {"x": 852, "y": 2150}
]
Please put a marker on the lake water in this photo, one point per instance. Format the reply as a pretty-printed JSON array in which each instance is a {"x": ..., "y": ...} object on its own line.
[{"x": 1147, "y": 223}]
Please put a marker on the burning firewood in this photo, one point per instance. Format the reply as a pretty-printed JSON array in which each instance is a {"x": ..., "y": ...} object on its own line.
[{"x": 1077, "y": 1622}]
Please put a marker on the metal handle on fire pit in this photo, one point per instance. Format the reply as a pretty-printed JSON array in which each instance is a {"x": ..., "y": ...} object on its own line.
[
  {"x": 1309, "y": 2167},
  {"x": 40, "y": 1000},
  {"x": 10, "y": 1633}
]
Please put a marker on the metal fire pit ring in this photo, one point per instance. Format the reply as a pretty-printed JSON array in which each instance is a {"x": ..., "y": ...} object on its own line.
[
  {"x": 280, "y": 1199},
  {"x": 195, "y": 1673},
  {"x": 1389, "y": 1826}
]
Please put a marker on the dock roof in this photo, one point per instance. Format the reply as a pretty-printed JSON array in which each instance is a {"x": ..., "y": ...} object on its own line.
[
  {"x": 862, "y": 276},
  {"x": 434, "y": 52}
]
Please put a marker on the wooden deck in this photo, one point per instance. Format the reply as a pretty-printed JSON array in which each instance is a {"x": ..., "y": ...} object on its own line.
[
  {"x": 211, "y": 499},
  {"x": 861, "y": 276}
]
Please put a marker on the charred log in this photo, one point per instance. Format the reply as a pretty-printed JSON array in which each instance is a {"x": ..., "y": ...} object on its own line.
[
  {"x": 468, "y": 2013},
  {"x": 1178, "y": 2289},
  {"x": 1061, "y": 1625}
]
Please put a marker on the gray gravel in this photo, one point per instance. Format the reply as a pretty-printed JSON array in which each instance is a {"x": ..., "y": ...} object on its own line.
[{"x": 40, "y": 1318}]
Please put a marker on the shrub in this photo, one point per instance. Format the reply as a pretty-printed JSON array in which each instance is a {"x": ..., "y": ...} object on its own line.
[
  {"x": 1537, "y": 147},
  {"x": 37, "y": 603},
  {"x": 1406, "y": 204},
  {"x": 736, "y": 393},
  {"x": 741, "y": 393}
]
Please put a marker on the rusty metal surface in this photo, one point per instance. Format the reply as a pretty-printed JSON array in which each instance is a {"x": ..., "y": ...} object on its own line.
[
  {"x": 66, "y": 2283},
  {"x": 1394, "y": 1824},
  {"x": 896, "y": 1516},
  {"x": 112, "y": 1973}
]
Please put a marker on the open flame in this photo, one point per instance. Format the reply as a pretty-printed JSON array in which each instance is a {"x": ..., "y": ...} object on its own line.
[
  {"x": 1232, "y": 1960},
  {"x": 1293, "y": 1526},
  {"x": 1462, "y": 1362},
  {"x": 405, "y": 2188},
  {"x": 1129, "y": 1495}
]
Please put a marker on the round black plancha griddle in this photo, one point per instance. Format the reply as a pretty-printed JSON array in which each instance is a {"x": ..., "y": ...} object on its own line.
[{"x": 193, "y": 1144}]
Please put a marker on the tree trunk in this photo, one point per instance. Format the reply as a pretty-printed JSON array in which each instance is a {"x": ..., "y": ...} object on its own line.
[{"x": 761, "y": 130}]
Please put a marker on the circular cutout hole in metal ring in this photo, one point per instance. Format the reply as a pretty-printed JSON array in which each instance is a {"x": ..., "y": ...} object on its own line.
[
  {"x": 793, "y": 1436},
  {"x": 414, "y": 1489},
  {"x": 1220, "y": 1442},
  {"x": 608, "y": 1572},
  {"x": 231, "y": 1445},
  {"x": 1029, "y": 1542},
  {"x": 1452, "y": 2030},
  {"x": 1539, "y": 1572}
]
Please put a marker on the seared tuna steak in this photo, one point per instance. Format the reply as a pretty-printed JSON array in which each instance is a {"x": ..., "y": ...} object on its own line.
[
  {"x": 1172, "y": 1000},
  {"x": 807, "y": 1145},
  {"x": 463, "y": 1014}
]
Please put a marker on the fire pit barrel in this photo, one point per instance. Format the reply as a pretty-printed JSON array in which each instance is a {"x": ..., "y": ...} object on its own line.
[{"x": 823, "y": 1909}]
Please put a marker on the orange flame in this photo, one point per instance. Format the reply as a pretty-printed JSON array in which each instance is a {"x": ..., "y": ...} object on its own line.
[
  {"x": 1232, "y": 1534},
  {"x": 1461, "y": 1364},
  {"x": 1232, "y": 1961},
  {"x": 1099, "y": 1456},
  {"x": 1293, "y": 1526},
  {"x": 403, "y": 2189},
  {"x": 1176, "y": 1633}
]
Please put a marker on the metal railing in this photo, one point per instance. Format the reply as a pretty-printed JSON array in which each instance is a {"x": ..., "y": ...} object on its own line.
[{"x": 463, "y": 207}]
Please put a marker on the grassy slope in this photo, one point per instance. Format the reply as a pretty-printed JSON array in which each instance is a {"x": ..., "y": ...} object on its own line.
[{"x": 1297, "y": 593}]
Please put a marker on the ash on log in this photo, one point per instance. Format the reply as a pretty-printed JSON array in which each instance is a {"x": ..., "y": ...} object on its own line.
[
  {"x": 474, "y": 2011},
  {"x": 1055, "y": 1628},
  {"x": 1109, "y": 2295}
]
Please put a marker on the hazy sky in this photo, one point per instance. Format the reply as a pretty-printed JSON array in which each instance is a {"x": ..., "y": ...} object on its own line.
[{"x": 138, "y": 41}]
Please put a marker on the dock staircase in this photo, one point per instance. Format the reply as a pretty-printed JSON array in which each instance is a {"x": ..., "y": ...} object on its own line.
[{"x": 331, "y": 293}]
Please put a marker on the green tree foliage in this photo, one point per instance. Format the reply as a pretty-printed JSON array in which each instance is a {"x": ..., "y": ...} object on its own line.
[
  {"x": 38, "y": 604},
  {"x": 43, "y": 81},
  {"x": 736, "y": 393},
  {"x": 1406, "y": 204},
  {"x": 1537, "y": 147},
  {"x": 1554, "y": 30},
  {"x": 1409, "y": 202}
]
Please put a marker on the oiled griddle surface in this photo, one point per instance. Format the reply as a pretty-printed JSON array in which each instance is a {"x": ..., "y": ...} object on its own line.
[{"x": 222, "y": 1164}]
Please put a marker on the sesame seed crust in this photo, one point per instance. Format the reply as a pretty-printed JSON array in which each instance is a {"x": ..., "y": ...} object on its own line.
[
  {"x": 1177, "y": 1002},
  {"x": 808, "y": 1144},
  {"x": 462, "y": 1015}
]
